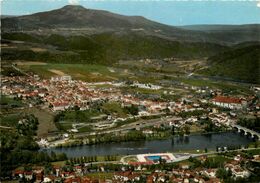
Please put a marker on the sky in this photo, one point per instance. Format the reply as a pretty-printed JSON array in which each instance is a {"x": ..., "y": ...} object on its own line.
[{"x": 171, "y": 12}]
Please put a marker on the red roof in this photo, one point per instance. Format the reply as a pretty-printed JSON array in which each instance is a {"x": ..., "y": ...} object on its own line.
[
  {"x": 28, "y": 173},
  {"x": 58, "y": 104},
  {"x": 73, "y": 180},
  {"x": 224, "y": 99},
  {"x": 18, "y": 171}
]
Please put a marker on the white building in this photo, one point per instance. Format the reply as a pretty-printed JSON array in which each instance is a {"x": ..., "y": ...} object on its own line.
[{"x": 228, "y": 102}]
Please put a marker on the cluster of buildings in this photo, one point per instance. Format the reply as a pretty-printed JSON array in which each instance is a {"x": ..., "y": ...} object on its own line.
[
  {"x": 183, "y": 173},
  {"x": 236, "y": 169},
  {"x": 61, "y": 93},
  {"x": 56, "y": 174}
]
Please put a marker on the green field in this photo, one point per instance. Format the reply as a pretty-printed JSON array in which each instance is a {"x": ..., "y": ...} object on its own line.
[
  {"x": 85, "y": 72},
  {"x": 10, "y": 120},
  {"x": 10, "y": 103},
  {"x": 65, "y": 119}
]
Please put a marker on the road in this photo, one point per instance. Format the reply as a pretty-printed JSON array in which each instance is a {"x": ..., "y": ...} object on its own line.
[
  {"x": 137, "y": 124},
  {"x": 5, "y": 127},
  {"x": 185, "y": 156},
  {"x": 19, "y": 70}
]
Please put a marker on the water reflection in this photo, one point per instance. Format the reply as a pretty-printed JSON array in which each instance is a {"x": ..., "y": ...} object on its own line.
[{"x": 192, "y": 142}]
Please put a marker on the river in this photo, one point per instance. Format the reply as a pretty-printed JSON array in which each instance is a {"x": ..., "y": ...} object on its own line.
[{"x": 192, "y": 142}]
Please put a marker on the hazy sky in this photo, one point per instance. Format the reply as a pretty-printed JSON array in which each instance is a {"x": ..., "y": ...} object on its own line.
[{"x": 172, "y": 12}]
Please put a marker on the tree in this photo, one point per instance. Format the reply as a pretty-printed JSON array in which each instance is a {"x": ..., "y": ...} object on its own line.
[
  {"x": 223, "y": 173},
  {"x": 133, "y": 109},
  {"x": 173, "y": 130},
  {"x": 47, "y": 168},
  {"x": 187, "y": 129},
  {"x": 53, "y": 156},
  {"x": 206, "y": 150}
]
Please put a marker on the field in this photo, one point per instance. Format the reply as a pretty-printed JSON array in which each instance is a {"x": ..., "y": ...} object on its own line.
[
  {"x": 9, "y": 103},
  {"x": 45, "y": 118},
  {"x": 66, "y": 119},
  {"x": 10, "y": 120},
  {"x": 85, "y": 72}
]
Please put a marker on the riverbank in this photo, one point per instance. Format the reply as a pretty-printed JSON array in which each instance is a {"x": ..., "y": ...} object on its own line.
[
  {"x": 124, "y": 137},
  {"x": 120, "y": 159},
  {"x": 190, "y": 143}
]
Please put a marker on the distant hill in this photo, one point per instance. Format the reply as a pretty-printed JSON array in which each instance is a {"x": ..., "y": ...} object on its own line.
[
  {"x": 242, "y": 63},
  {"x": 77, "y": 20},
  {"x": 230, "y": 33},
  {"x": 219, "y": 27}
]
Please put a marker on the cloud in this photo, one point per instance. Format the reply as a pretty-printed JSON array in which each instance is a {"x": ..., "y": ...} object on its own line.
[
  {"x": 73, "y": 2},
  {"x": 258, "y": 4}
]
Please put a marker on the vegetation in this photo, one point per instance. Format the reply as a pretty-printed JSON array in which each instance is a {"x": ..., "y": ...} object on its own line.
[
  {"x": 8, "y": 70},
  {"x": 18, "y": 146},
  {"x": 196, "y": 113},
  {"x": 106, "y": 48},
  {"x": 250, "y": 123},
  {"x": 85, "y": 72},
  {"x": 7, "y": 102},
  {"x": 76, "y": 115},
  {"x": 240, "y": 63},
  {"x": 209, "y": 126}
]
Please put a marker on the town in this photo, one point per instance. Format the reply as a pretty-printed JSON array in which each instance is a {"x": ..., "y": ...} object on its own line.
[
  {"x": 214, "y": 170},
  {"x": 181, "y": 117},
  {"x": 129, "y": 91}
]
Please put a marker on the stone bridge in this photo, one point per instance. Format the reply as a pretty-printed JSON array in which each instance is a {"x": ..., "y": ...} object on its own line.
[{"x": 246, "y": 131}]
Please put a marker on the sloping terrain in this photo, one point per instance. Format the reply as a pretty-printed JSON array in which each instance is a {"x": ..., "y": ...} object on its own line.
[
  {"x": 77, "y": 20},
  {"x": 240, "y": 63},
  {"x": 229, "y": 33},
  {"x": 106, "y": 48}
]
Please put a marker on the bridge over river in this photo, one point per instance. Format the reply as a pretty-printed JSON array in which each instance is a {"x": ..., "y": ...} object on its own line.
[{"x": 246, "y": 131}]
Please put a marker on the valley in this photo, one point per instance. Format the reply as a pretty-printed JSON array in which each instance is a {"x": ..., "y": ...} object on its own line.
[{"x": 93, "y": 96}]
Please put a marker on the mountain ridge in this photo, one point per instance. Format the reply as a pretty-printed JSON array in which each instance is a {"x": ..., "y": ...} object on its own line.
[{"x": 78, "y": 20}]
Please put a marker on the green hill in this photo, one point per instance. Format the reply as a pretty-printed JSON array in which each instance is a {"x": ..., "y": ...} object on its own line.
[
  {"x": 240, "y": 63},
  {"x": 104, "y": 48}
]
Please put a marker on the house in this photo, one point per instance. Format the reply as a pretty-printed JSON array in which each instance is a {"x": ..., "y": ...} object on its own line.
[
  {"x": 184, "y": 165},
  {"x": 61, "y": 78},
  {"x": 228, "y": 102},
  {"x": 238, "y": 158},
  {"x": 256, "y": 158},
  {"x": 49, "y": 178},
  {"x": 18, "y": 173},
  {"x": 39, "y": 177},
  {"x": 211, "y": 173},
  {"x": 78, "y": 169},
  {"x": 240, "y": 173},
  {"x": 73, "y": 180},
  {"x": 127, "y": 176},
  {"x": 38, "y": 172},
  {"x": 28, "y": 175},
  {"x": 60, "y": 106},
  {"x": 57, "y": 170}
]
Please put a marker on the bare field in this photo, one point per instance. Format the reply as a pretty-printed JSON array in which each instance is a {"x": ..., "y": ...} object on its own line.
[
  {"x": 46, "y": 122},
  {"x": 28, "y": 63},
  {"x": 58, "y": 72},
  {"x": 38, "y": 49}
]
